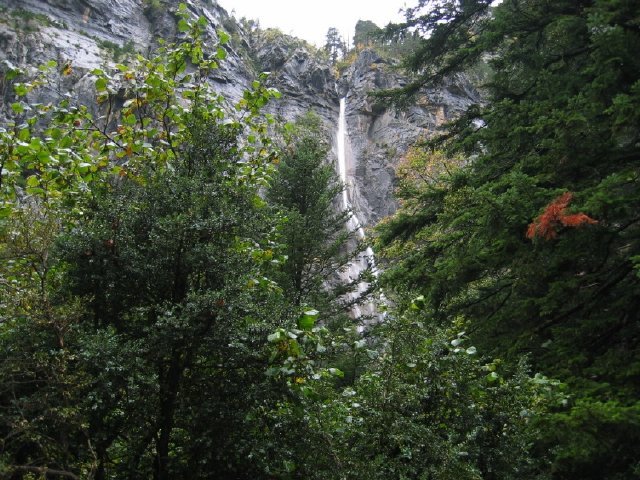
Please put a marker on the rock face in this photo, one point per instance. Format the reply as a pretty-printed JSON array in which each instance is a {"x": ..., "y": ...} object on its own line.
[
  {"x": 92, "y": 33},
  {"x": 72, "y": 30},
  {"x": 89, "y": 34},
  {"x": 303, "y": 76},
  {"x": 380, "y": 136}
]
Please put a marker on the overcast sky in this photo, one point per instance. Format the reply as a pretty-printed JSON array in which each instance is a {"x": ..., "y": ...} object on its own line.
[{"x": 310, "y": 19}]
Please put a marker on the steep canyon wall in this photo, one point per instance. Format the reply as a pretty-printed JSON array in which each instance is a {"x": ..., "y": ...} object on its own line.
[{"x": 90, "y": 34}]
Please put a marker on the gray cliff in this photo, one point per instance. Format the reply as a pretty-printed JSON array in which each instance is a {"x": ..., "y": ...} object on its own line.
[
  {"x": 88, "y": 34},
  {"x": 379, "y": 136}
]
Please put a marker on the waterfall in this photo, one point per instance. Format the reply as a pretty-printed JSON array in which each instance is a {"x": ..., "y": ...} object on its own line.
[{"x": 365, "y": 259}]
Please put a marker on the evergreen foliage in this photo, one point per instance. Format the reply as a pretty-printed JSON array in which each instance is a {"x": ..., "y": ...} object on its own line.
[
  {"x": 365, "y": 32},
  {"x": 335, "y": 45},
  {"x": 559, "y": 126},
  {"x": 318, "y": 245}
]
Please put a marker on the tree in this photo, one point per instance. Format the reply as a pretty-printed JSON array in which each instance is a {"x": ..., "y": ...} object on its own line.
[
  {"x": 166, "y": 267},
  {"x": 425, "y": 404},
  {"x": 366, "y": 32},
  {"x": 318, "y": 243},
  {"x": 558, "y": 124},
  {"x": 334, "y": 45},
  {"x": 135, "y": 247}
]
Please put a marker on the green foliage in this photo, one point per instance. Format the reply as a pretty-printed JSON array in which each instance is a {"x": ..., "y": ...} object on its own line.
[
  {"x": 335, "y": 45},
  {"x": 435, "y": 409},
  {"x": 445, "y": 40},
  {"x": 558, "y": 119},
  {"x": 118, "y": 52},
  {"x": 365, "y": 33},
  {"x": 167, "y": 265},
  {"x": 604, "y": 427},
  {"x": 306, "y": 190},
  {"x": 132, "y": 283},
  {"x": 28, "y": 21},
  {"x": 154, "y": 8},
  {"x": 424, "y": 405},
  {"x": 150, "y": 327},
  {"x": 390, "y": 46}
]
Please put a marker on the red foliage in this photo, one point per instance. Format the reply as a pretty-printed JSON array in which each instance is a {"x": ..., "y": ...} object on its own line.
[{"x": 554, "y": 216}]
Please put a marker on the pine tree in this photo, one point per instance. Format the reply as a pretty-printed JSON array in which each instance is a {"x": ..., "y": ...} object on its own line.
[
  {"x": 318, "y": 243},
  {"x": 334, "y": 45},
  {"x": 560, "y": 116}
]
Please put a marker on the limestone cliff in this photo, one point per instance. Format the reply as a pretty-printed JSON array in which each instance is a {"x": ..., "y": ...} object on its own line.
[{"x": 88, "y": 34}]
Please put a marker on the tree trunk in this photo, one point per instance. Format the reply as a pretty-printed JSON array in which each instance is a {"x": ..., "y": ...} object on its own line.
[{"x": 169, "y": 386}]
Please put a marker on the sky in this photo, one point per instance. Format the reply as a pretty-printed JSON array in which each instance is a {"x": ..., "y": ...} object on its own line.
[{"x": 310, "y": 19}]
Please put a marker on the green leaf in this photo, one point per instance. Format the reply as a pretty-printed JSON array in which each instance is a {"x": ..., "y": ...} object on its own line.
[
  {"x": 418, "y": 303},
  {"x": 275, "y": 93},
  {"x": 306, "y": 323},
  {"x": 24, "y": 134},
  {"x": 83, "y": 167},
  {"x": 183, "y": 25},
  {"x": 33, "y": 181},
  {"x": 223, "y": 37},
  {"x": 20, "y": 89},
  {"x": 308, "y": 319},
  {"x": 130, "y": 119},
  {"x": 12, "y": 74},
  {"x": 101, "y": 84}
]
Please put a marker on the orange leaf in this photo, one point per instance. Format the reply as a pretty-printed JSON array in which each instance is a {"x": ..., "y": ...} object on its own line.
[
  {"x": 554, "y": 216},
  {"x": 576, "y": 220}
]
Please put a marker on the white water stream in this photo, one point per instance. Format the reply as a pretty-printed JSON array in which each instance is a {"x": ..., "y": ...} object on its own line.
[{"x": 365, "y": 259}]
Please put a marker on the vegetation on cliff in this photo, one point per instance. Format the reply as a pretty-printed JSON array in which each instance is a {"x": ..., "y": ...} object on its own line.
[{"x": 168, "y": 304}]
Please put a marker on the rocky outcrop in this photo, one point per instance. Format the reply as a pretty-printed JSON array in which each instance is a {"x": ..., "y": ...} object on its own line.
[
  {"x": 301, "y": 73},
  {"x": 89, "y": 34},
  {"x": 85, "y": 33},
  {"x": 93, "y": 34},
  {"x": 380, "y": 135}
]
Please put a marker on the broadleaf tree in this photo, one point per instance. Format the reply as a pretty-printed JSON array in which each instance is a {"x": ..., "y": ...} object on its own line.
[{"x": 133, "y": 267}]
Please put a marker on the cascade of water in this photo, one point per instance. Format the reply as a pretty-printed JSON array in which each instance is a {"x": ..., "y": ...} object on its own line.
[{"x": 363, "y": 260}]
